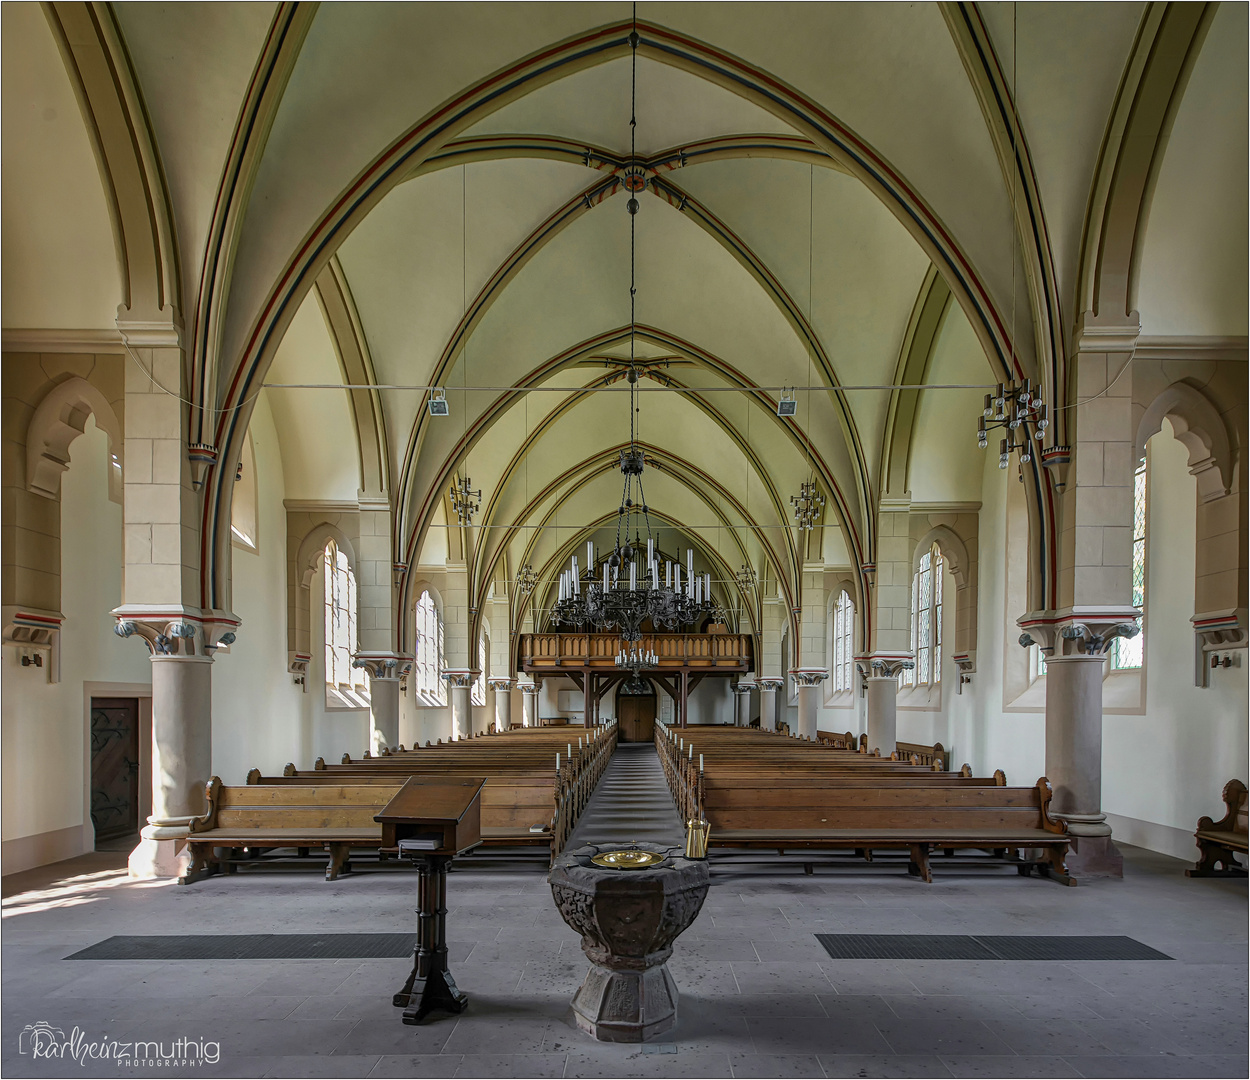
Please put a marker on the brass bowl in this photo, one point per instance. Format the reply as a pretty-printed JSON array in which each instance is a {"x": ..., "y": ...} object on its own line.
[{"x": 626, "y": 860}]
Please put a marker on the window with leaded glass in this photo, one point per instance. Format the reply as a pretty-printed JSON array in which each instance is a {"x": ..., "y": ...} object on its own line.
[
  {"x": 1126, "y": 653},
  {"x": 843, "y": 643},
  {"x": 428, "y": 662},
  {"x": 340, "y": 620},
  {"x": 926, "y": 621},
  {"x": 478, "y": 693}
]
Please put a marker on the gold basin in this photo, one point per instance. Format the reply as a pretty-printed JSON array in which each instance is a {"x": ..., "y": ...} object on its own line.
[{"x": 626, "y": 860}]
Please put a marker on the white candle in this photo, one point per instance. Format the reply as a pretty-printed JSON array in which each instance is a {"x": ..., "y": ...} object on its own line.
[
  {"x": 655, "y": 577},
  {"x": 605, "y": 577},
  {"x": 590, "y": 554},
  {"x": 574, "y": 577},
  {"x": 650, "y": 550},
  {"x": 633, "y": 574},
  {"x": 689, "y": 562},
  {"x": 700, "y": 763},
  {"x": 557, "y": 761}
]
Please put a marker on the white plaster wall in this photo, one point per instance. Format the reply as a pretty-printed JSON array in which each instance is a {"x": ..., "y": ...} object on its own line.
[
  {"x": 45, "y": 725},
  {"x": 1167, "y": 768},
  {"x": 258, "y": 711},
  {"x": 712, "y": 702}
]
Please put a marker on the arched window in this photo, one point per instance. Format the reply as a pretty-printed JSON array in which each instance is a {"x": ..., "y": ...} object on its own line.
[
  {"x": 926, "y": 620},
  {"x": 478, "y": 693},
  {"x": 428, "y": 664},
  {"x": 843, "y": 642},
  {"x": 1126, "y": 653},
  {"x": 340, "y": 612}
]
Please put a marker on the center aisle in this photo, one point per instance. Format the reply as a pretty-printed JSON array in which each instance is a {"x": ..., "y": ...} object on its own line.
[{"x": 632, "y": 802}]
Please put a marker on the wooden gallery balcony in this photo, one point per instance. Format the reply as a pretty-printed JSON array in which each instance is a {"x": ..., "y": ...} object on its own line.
[{"x": 719, "y": 654}]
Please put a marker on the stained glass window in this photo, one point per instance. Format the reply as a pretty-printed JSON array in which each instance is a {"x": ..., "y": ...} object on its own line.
[
  {"x": 1126, "y": 653},
  {"x": 428, "y": 665},
  {"x": 843, "y": 642}
]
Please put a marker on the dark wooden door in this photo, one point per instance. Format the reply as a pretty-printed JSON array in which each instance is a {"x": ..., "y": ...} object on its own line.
[
  {"x": 114, "y": 767},
  {"x": 636, "y": 717}
]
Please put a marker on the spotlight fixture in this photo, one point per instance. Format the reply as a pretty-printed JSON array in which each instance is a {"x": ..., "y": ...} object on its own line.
[
  {"x": 1015, "y": 407},
  {"x": 788, "y": 405},
  {"x": 438, "y": 402}
]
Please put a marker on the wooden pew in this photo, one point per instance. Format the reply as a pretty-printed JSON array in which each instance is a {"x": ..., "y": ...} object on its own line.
[
  {"x": 795, "y": 795},
  {"x": 1217, "y": 840}
]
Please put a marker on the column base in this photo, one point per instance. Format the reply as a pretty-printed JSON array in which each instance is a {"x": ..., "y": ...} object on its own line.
[
  {"x": 159, "y": 859},
  {"x": 1094, "y": 857},
  {"x": 626, "y": 1006}
]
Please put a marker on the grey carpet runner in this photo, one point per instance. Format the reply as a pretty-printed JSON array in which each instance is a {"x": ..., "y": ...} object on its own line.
[{"x": 632, "y": 802}]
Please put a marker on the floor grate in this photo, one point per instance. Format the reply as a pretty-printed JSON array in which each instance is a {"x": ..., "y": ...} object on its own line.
[
  {"x": 250, "y": 947},
  {"x": 983, "y": 947}
]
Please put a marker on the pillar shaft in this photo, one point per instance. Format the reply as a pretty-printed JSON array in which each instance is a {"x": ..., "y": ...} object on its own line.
[
  {"x": 882, "y": 713},
  {"x": 1074, "y": 742},
  {"x": 383, "y": 711},
  {"x": 503, "y": 703},
  {"x": 768, "y": 703},
  {"x": 461, "y": 712},
  {"x": 529, "y": 706}
]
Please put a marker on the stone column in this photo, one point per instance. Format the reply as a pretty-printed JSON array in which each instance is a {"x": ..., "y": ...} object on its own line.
[
  {"x": 809, "y": 680},
  {"x": 384, "y": 673},
  {"x": 503, "y": 702},
  {"x": 768, "y": 703},
  {"x": 1075, "y": 645},
  {"x": 742, "y": 703},
  {"x": 880, "y": 673},
  {"x": 182, "y": 737},
  {"x": 460, "y": 691},
  {"x": 529, "y": 703}
]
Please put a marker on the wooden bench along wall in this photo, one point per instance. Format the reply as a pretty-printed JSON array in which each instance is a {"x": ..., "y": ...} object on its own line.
[{"x": 1217, "y": 840}]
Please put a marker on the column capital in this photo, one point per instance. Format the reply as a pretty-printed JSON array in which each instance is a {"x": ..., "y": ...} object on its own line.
[
  {"x": 460, "y": 677},
  {"x": 745, "y": 686},
  {"x": 501, "y": 685},
  {"x": 382, "y": 665},
  {"x": 175, "y": 630},
  {"x": 1078, "y": 630},
  {"x": 884, "y": 665},
  {"x": 770, "y": 685},
  {"x": 809, "y": 676},
  {"x": 531, "y": 687}
]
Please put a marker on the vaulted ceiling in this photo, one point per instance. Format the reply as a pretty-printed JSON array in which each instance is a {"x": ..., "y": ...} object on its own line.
[{"x": 804, "y": 162}]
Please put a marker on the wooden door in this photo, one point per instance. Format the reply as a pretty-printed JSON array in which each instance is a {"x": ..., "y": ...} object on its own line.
[
  {"x": 114, "y": 767},
  {"x": 636, "y": 717}
]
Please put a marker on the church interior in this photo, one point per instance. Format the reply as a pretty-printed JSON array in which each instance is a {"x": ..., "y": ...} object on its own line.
[{"x": 482, "y": 458}]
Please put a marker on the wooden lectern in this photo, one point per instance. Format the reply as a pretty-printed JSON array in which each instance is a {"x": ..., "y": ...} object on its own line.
[{"x": 430, "y": 820}]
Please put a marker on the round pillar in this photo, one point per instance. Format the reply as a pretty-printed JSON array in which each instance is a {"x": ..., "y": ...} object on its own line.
[
  {"x": 529, "y": 705},
  {"x": 768, "y": 703},
  {"x": 503, "y": 703},
  {"x": 809, "y": 681},
  {"x": 882, "y": 697},
  {"x": 1074, "y": 741},
  {"x": 742, "y": 704},
  {"x": 383, "y": 711}
]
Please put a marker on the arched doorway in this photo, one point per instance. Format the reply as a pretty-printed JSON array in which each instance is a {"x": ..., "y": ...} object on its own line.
[{"x": 635, "y": 710}]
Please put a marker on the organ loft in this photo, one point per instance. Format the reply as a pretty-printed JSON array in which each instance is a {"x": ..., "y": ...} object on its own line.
[{"x": 607, "y": 539}]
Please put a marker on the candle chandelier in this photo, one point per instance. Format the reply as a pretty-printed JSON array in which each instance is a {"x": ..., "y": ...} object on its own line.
[
  {"x": 807, "y": 504},
  {"x": 465, "y": 502},
  {"x": 623, "y": 591}
]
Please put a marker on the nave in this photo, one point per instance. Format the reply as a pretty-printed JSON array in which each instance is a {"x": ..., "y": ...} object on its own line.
[{"x": 759, "y": 996}]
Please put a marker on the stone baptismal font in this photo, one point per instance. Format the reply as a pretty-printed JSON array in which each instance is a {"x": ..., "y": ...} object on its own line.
[{"x": 629, "y": 902}]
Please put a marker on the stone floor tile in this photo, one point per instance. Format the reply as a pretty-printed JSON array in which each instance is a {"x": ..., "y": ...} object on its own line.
[
  {"x": 706, "y": 977},
  {"x": 495, "y": 1031},
  {"x": 390, "y": 1036},
  {"x": 883, "y": 1065},
  {"x": 795, "y": 1035},
  {"x": 324, "y": 1066},
  {"x": 1141, "y": 1067},
  {"x": 951, "y": 1007},
  {"x": 791, "y": 976},
  {"x": 944, "y": 1037},
  {"x": 763, "y": 1066},
  {"x": 717, "y": 949},
  {"x": 633, "y": 1062},
  {"x": 538, "y": 1066},
  {"x": 992, "y": 1067},
  {"x": 857, "y": 1008},
  {"x": 868, "y": 977},
  {"x": 416, "y": 1066},
  {"x": 761, "y": 1003},
  {"x": 802, "y": 950}
]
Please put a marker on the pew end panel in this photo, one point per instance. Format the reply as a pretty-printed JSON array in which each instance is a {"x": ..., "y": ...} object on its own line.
[{"x": 1218, "y": 841}]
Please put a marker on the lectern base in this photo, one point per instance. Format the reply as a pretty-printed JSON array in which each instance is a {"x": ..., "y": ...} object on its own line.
[{"x": 438, "y": 992}]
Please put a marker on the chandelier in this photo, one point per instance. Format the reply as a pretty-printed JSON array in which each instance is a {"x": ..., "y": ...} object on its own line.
[
  {"x": 1014, "y": 407},
  {"x": 634, "y": 659},
  {"x": 624, "y": 590},
  {"x": 465, "y": 502},
  {"x": 807, "y": 505},
  {"x": 526, "y": 580}
]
